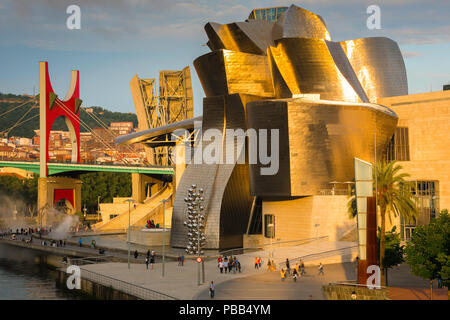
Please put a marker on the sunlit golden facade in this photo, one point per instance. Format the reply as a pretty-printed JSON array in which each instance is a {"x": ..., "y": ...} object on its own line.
[{"x": 285, "y": 72}]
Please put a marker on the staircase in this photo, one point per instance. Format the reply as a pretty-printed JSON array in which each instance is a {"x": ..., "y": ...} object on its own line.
[{"x": 142, "y": 212}]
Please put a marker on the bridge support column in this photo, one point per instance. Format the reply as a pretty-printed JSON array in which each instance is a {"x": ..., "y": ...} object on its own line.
[
  {"x": 52, "y": 190},
  {"x": 139, "y": 183}
]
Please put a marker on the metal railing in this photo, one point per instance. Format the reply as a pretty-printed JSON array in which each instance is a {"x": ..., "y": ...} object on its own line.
[
  {"x": 125, "y": 287},
  {"x": 315, "y": 256},
  {"x": 90, "y": 260},
  {"x": 273, "y": 245},
  {"x": 352, "y": 283}
]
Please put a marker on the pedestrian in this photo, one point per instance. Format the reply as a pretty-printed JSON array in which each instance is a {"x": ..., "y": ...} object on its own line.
[
  {"x": 146, "y": 262},
  {"x": 239, "y": 266},
  {"x": 321, "y": 269},
  {"x": 148, "y": 254},
  {"x": 259, "y": 262},
  {"x": 256, "y": 263},
  {"x": 295, "y": 275},
  {"x": 152, "y": 259},
  {"x": 273, "y": 266},
  {"x": 288, "y": 266},
  {"x": 225, "y": 264},
  {"x": 269, "y": 266},
  {"x": 302, "y": 268},
  {"x": 283, "y": 274},
  {"x": 230, "y": 265},
  {"x": 136, "y": 254},
  {"x": 221, "y": 266},
  {"x": 179, "y": 260},
  {"x": 212, "y": 288},
  {"x": 80, "y": 242},
  {"x": 182, "y": 260},
  {"x": 296, "y": 267}
]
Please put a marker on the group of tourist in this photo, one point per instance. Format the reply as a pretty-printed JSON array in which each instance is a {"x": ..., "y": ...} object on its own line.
[
  {"x": 228, "y": 264},
  {"x": 298, "y": 270}
]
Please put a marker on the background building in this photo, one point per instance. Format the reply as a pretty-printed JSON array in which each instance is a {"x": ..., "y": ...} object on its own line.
[{"x": 421, "y": 145}]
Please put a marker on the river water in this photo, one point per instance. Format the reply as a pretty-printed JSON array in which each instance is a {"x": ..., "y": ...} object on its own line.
[{"x": 22, "y": 276}]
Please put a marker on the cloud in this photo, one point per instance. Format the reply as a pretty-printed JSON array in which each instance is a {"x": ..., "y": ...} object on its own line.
[{"x": 411, "y": 54}]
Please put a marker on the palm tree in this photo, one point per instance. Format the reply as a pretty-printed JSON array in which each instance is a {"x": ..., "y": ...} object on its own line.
[{"x": 394, "y": 196}]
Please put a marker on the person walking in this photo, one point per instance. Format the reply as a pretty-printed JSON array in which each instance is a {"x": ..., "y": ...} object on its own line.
[
  {"x": 295, "y": 275},
  {"x": 230, "y": 264},
  {"x": 225, "y": 264},
  {"x": 146, "y": 262},
  {"x": 269, "y": 265},
  {"x": 136, "y": 254},
  {"x": 221, "y": 266},
  {"x": 288, "y": 266},
  {"x": 152, "y": 259},
  {"x": 321, "y": 269},
  {"x": 273, "y": 266},
  {"x": 238, "y": 265},
  {"x": 256, "y": 263},
  {"x": 282, "y": 274},
  {"x": 302, "y": 268},
  {"x": 259, "y": 262},
  {"x": 182, "y": 260},
  {"x": 80, "y": 242},
  {"x": 212, "y": 288}
]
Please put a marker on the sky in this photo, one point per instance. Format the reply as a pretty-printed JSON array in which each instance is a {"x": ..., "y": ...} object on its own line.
[{"x": 120, "y": 38}]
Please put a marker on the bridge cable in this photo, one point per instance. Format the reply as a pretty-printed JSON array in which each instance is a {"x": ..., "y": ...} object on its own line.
[
  {"x": 17, "y": 107},
  {"x": 102, "y": 124},
  {"x": 18, "y": 121},
  {"x": 86, "y": 126}
]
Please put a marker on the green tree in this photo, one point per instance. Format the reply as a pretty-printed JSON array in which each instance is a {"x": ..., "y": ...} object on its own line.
[
  {"x": 394, "y": 197},
  {"x": 393, "y": 252},
  {"x": 107, "y": 185},
  {"x": 427, "y": 253}
]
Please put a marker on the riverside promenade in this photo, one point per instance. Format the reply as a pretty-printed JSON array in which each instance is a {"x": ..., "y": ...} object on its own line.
[{"x": 180, "y": 282}]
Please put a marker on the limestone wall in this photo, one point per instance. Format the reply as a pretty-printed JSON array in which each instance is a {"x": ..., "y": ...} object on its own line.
[{"x": 296, "y": 219}]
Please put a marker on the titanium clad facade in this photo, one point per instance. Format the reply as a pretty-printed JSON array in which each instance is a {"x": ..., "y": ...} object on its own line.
[
  {"x": 379, "y": 66},
  {"x": 308, "y": 67},
  {"x": 318, "y": 141},
  {"x": 250, "y": 37},
  {"x": 297, "y": 22},
  {"x": 225, "y": 72},
  {"x": 226, "y": 186}
]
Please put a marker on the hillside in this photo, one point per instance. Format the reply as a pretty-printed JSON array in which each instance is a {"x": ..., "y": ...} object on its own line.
[{"x": 9, "y": 101}]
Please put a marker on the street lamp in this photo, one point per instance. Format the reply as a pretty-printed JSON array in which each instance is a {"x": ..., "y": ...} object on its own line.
[
  {"x": 84, "y": 209},
  {"x": 271, "y": 225},
  {"x": 164, "y": 236},
  {"x": 98, "y": 208},
  {"x": 129, "y": 223},
  {"x": 195, "y": 223}
]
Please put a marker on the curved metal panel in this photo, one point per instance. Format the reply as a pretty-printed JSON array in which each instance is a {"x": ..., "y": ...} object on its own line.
[
  {"x": 318, "y": 141},
  {"x": 252, "y": 36},
  {"x": 301, "y": 23},
  {"x": 226, "y": 186},
  {"x": 225, "y": 72},
  {"x": 379, "y": 66},
  {"x": 308, "y": 67}
]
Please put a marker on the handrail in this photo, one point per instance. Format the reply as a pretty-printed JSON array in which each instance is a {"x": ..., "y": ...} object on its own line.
[
  {"x": 271, "y": 245},
  {"x": 125, "y": 287},
  {"x": 133, "y": 209},
  {"x": 318, "y": 255},
  {"x": 346, "y": 283}
]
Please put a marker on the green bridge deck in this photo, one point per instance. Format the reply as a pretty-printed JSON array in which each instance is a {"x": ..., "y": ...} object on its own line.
[{"x": 59, "y": 168}]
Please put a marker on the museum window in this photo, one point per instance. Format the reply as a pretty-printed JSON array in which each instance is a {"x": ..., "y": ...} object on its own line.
[
  {"x": 398, "y": 147},
  {"x": 427, "y": 203},
  {"x": 269, "y": 226}
]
